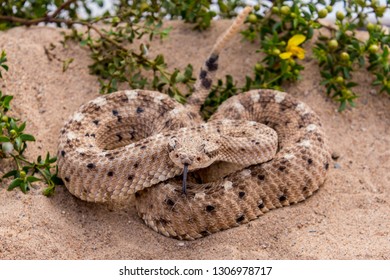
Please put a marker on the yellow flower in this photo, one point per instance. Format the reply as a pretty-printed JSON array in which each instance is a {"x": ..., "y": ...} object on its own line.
[{"x": 292, "y": 48}]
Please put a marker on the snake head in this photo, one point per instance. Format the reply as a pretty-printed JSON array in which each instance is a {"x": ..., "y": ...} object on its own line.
[{"x": 195, "y": 151}]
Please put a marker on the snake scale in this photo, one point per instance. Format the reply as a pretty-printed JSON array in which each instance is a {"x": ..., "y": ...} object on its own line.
[{"x": 261, "y": 150}]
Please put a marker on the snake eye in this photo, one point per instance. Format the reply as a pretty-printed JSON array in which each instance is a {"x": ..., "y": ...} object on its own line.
[{"x": 202, "y": 148}]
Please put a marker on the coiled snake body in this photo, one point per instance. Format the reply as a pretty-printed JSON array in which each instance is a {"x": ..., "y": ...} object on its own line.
[{"x": 261, "y": 150}]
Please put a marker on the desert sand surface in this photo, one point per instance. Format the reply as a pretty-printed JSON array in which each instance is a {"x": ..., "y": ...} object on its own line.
[{"x": 348, "y": 218}]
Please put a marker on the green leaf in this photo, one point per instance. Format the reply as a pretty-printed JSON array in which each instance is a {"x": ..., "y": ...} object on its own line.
[
  {"x": 12, "y": 124},
  {"x": 159, "y": 60},
  {"x": 57, "y": 180},
  {"x": 352, "y": 103},
  {"x": 310, "y": 33},
  {"x": 66, "y": 64},
  {"x": 351, "y": 84},
  {"x": 312, "y": 7},
  {"x": 53, "y": 160},
  {"x": 10, "y": 173},
  {"x": 342, "y": 106},
  {"x": 24, "y": 187},
  {"x": 27, "y": 137},
  {"x": 18, "y": 143},
  {"x": 49, "y": 191},
  {"x": 173, "y": 77},
  {"x": 346, "y": 73},
  {"x": 15, "y": 183},
  {"x": 83, "y": 43},
  {"x": 4, "y": 139},
  {"x": 47, "y": 157},
  {"x": 22, "y": 127},
  {"x": 6, "y": 101},
  {"x": 31, "y": 179}
]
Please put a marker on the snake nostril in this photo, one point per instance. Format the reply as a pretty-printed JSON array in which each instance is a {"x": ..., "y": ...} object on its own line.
[{"x": 198, "y": 158}]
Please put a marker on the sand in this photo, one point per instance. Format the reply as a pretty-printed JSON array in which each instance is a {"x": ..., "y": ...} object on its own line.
[{"x": 348, "y": 218}]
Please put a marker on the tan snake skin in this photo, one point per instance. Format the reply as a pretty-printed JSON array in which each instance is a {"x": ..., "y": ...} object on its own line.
[{"x": 138, "y": 141}]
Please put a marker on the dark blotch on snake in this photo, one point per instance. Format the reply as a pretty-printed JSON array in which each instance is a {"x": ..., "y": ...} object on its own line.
[
  {"x": 261, "y": 177},
  {"x": 110, "y": 173},
  {"x": 67, "y": 179},
  {"x": 90, "y": 165},
  {"x": 326, "y": 166},
  {"x": 139, "y": 110},
  {"x": 241, "y": 194},
  {"x": 119, "y": 137},
  {"x": 169, "y": 202},
  {"x": 212, "y": 63},
  {"x": 96, "y": 122},
  {"x": 96, "y": 107},
  {"x": 282, "y": 168},
  {"x": 282, "y": 198},
  {"x": 309, "y": 161},
  {"x": 210, "y": 208},
  {"x": 124, "y": 98},
  {"x": 240, "y": 219},
  {"x": 261, "y": 205},
  {"x": 206, "y": 83},
  {"x": 203, "y": 74},
  {"x": 115, "y": 112},
  {"x": 63, "y": 153},
  {"x": 305, "y": 117}
]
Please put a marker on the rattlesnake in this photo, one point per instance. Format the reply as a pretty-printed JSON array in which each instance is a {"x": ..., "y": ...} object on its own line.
[{"x": 139, "y": 142}]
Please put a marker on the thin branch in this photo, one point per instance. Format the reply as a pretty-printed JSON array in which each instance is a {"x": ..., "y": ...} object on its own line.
[
  {"x": 60, "y": 8},
  {"x": 23, "y": 21},
  {"x": 47, "y": 18}
]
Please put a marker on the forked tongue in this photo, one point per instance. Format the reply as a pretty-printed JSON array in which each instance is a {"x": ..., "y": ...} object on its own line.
[{"x": 185, "y": 171}]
